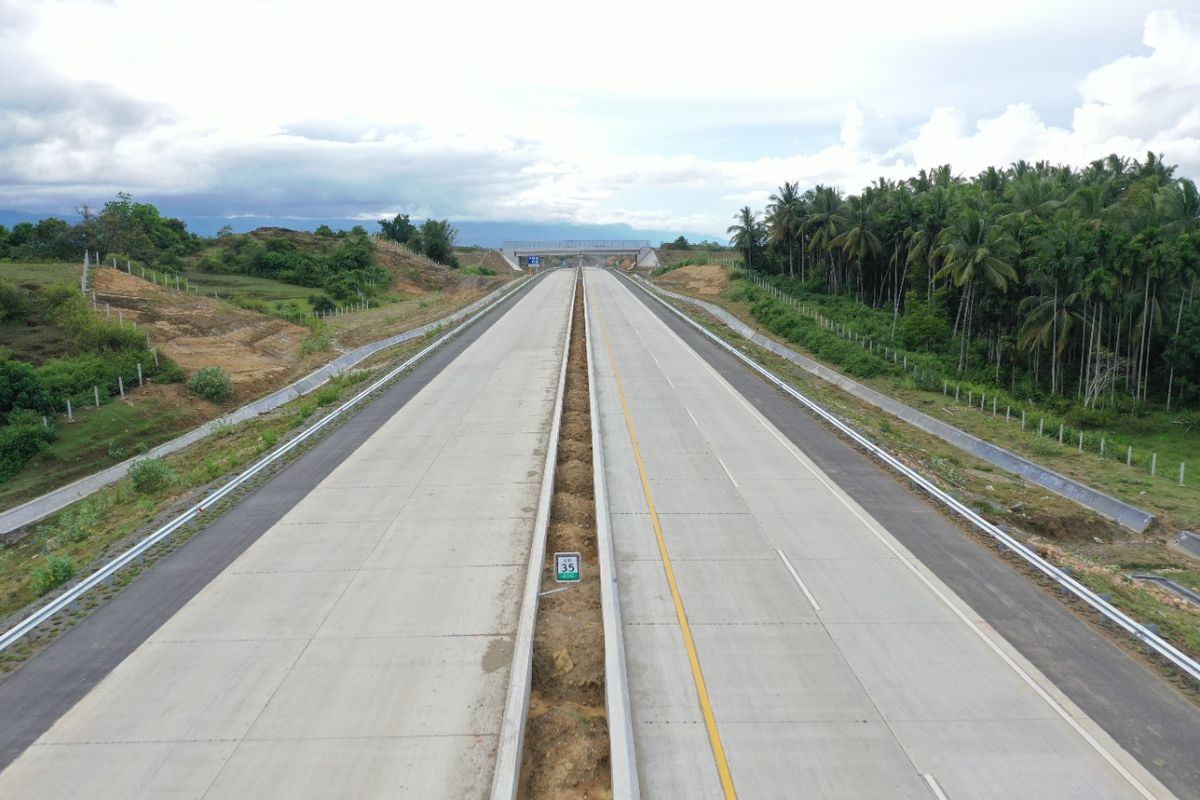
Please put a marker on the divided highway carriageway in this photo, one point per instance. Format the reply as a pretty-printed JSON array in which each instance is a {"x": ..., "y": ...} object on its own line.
[{"x": 794, "y": 621}]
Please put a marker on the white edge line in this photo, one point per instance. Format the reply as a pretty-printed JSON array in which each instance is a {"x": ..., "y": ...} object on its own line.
[
  {"x": 622, "y": 752},
  {"x": 874, "y": 527},
  {"x": 507, "y": 770},
  {"x": 934, "y": 787},
  {"x": 728, "y": 474},
  {"x": 796, "y": 576},
  {"x": 692, "y": 418}
]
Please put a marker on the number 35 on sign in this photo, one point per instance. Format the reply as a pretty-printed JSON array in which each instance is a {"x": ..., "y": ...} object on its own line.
[{"x": 566, "y": 567}]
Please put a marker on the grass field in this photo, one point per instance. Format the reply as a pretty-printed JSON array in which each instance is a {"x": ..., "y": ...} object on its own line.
[
  {"x": 101, "y": 437},
  {"x": 41, "y": 273},
  {"x": 252, "y": 287}
]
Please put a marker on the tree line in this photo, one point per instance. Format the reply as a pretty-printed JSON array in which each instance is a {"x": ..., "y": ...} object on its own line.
[
  {"x": 122, "y": 228},
  {"x": 1059, "y": 282},
  {"x": 434, "y": 239}
]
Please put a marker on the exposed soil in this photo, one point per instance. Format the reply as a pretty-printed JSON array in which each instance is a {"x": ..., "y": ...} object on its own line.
[
  {"x": 566, "y": 736},
  {"x": 260, "y": 353},
  {"x": 704, "y": 280}
]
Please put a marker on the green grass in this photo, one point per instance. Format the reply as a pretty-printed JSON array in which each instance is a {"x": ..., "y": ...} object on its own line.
[
  {"x": 41, "y": 273},
  {"x": 34, "y": 341},
  {"x": 99, "y": 438},
  {"x": 251, "y": 286},
  {"x": 1141, "y": 604}
]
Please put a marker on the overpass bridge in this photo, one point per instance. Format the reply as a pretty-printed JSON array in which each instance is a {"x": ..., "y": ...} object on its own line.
[{"x": 643, "y": 254}]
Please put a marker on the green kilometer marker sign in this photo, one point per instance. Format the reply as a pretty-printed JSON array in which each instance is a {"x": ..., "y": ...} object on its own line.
[{"x": 566, "y": 567}]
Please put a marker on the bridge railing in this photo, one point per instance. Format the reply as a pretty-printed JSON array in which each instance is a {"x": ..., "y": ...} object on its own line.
[{"x": 576, "y": 245}]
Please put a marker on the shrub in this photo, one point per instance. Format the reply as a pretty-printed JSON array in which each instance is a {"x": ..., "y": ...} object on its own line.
[
  {"x": 211, "y": 383},
  {"x": 54, "y": 573},
  {"x": 316, "y": 343},
  {"x": 151, "y": 474},
  {"x": 168, "y": 371},
  {"x": 327, "y": 396},
  {"x": 20, "y": 440}
]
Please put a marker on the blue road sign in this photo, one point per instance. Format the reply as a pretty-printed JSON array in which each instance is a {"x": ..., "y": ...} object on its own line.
[{"x": 535, "y": 261}]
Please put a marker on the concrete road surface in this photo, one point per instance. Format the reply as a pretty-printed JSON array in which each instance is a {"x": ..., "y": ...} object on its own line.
[
  {"x": 780, "y": 641},
  {"x": 361, "y": 647}
]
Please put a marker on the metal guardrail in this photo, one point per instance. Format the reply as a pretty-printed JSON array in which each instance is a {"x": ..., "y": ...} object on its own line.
[
  {"x": 1111, "y": 613},
  {"x": 70, "y": 598}
]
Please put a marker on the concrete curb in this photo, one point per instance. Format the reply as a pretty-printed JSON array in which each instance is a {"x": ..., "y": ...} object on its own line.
[
  {"x": 622, "y": 753},
  {"x": 1129, "y": 516},
  {"x": 507, "y": 776},
  {"x": 40, "y": 507}
]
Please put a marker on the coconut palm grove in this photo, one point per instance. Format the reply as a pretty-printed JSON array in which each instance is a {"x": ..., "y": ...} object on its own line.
[{"x": 1073, "y": 287}]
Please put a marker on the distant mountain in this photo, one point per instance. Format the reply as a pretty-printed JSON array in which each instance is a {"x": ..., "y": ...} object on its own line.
[
  {"x": 484, "y": 234},
  {"x": 10, "y": 218}
]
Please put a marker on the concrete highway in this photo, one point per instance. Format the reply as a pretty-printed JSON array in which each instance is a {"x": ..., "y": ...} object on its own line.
[
  {"x": 361, "y": 646},
  {"x": 796, "y": 623},
  {"x": 780, "y": 641}
]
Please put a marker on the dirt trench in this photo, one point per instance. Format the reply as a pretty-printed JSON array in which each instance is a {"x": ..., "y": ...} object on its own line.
[{"x": 566, "y": 736}]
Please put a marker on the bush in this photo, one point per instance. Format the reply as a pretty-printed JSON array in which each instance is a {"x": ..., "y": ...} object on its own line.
[
  {"x": 328, "y": 395},
  {"x": 54, "y": 573},
  {"x": 168, "y": 371},
  {"x": 316, "y": 343},
  {"x": 151, "y": 475},
  {"x": 20, "y": 440},
  {"x": 211, "y": 383}
]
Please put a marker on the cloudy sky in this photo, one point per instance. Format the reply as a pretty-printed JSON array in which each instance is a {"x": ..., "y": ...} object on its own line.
[{"x": 657, "y": 114}]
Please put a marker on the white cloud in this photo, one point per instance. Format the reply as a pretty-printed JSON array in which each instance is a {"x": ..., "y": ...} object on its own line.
[{"x": 238, "y": 106}]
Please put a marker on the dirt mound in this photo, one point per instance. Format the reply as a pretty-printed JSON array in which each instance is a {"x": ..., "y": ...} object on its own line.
[
  {"x": 413, "y": 273},
  {"x": 484, "y": 258},
  {"x": 702, "y": 279},
  {"x": 259, "y": 352}
]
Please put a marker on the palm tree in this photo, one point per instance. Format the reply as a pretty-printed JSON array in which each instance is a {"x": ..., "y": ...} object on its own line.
[
  {"x": 858, "y": 238},
  {"x": 974, "y": 251},
  {"x": 821, "y": 224},
  {"x": 783, "y": 220},
  {"x": 747, "y": 234}
]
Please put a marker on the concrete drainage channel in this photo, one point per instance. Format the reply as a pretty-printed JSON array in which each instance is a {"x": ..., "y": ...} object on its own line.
[{"x": 568, "y": 684}]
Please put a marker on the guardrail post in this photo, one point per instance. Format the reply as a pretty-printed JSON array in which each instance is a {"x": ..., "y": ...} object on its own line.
[
  {"x": 1060, "y": 433},
  {"x": 1129, "y": 456},
  {"x": 1153, "y": 463},
  {"x": 96, "y": 391},
  {"x": 1181, "y": 463},
  {"x": 1101, "y": 446},
  {"x": 971, "y": 398},
  {"x": 1008, "y": 413},
  {"x": 1022, "y": 419},
  {"x": 1041, "y": 425},
  {"x": 121, "y": 385},
  {"x": 1081, "y": 441},
  {"x": 993, "y": 406},
  {"x": 71, "y": 416}
]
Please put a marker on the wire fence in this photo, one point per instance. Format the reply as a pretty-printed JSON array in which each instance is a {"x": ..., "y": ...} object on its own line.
[{"x": 1047, "y": 433}]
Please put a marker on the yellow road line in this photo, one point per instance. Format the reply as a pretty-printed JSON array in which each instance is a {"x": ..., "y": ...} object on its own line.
[{"x": 710, "y": 722}]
